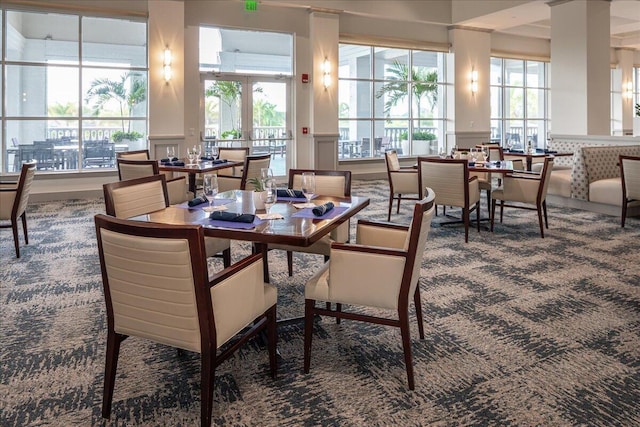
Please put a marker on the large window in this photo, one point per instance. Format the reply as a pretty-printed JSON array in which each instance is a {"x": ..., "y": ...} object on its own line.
[
  {"x": 519, "y": 102},
  {"x": 390, "y": 98},
  {"x": 76, "y": 90}
]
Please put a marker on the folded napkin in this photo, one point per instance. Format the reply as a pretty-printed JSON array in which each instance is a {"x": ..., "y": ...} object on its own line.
[
  {"x": 322, "y": 209},
  {"x": 288, "y": 192},
  {"x": 168, "y": 160},
  {"x": 207, "y": 158},
  {"x": 233, "y": 217},
  {"x": 220, "y": 161},
  {"x": 198, "y": 201},
  {"x": 515, "y": 151}
]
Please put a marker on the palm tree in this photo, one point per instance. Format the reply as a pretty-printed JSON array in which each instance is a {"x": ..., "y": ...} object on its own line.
[
  {"x": 128, "y": 92},
  {"x": 423, "y": 84}
]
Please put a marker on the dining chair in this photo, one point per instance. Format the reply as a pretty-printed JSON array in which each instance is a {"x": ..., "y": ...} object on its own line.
[
  {"x": 14, "y": 198},
  {"x": 235, "y": 154},
  {"x": 402, "y": 181},
  {"x": 137, "y": 168},
  {"x": 328, "y": 183},
  {"x": 126, "y": 199},
  {"x": 156, "y": 288},
  {"x": 453, "y": 185},
  {"x": 133, "y": 155},
  {"x": 251, "y": 169},
  {"x": 630, "y": 174},
  {"x": 528, "y": 191},
  {"x": 381, "y": 270}
]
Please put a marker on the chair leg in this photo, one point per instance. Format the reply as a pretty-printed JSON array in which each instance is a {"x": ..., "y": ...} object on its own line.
[
  {"x": 338, "y": 309},
  {"x": 540, "y": 221},
  {"x": 111, "y": 365},
  {"x": 290, "y": 262},
  {"x": 501, "y": 210},
  {"x": 207, "y": 381},
  {"x": 398, "y": 208},
  {"x": 16, "y": 241},
  {"x": 309, "y": 305},
  {"x": 24, "y": 228},
  {"x": 478, "y": 216},
  {"x": 465, "y": 216},
  {"x": 272, "y": 337},
  {"x": 493, "y": 213},
  {"x": 390, "y": 207},
  {"x": 418, "y": 303},
  {"x": 226, "y": 257},
  {"x": 624, "y": 211},
  {"x": 488, "y": 202},
  {"x": 544, "y": 209},
  {"x": 406, "y": 346}
]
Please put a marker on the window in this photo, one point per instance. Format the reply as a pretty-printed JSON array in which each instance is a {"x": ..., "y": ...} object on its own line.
[
  {"x": 519, "y": 102},
  {"x": 390, "y": 98},
  {"x": 77, "y": 90}
]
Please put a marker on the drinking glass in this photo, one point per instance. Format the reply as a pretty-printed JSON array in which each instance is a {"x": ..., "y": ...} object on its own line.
[
  {"x": 191, "y": 154},
  {"x": 454, "y": 150},
  {"x": 308, "y": 185},
  {"x": 198, "y": 151},
  {"x": 442, "y": 153},
  {"x": 171, "y": 152},
  {"x": 214, "y": 152},
  {"x": 485, "y": 154},
  {"x": 269, "y": 196},
  {"x": 266, "y": 175},
  {"x": 210, "y": 189}
]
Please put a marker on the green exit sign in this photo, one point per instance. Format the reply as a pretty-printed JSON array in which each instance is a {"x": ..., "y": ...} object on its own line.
[{"x": 250, "y": 5}]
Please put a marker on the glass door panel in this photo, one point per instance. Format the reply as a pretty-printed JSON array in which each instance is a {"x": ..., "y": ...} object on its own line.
[{"x": 223, "y": 111}]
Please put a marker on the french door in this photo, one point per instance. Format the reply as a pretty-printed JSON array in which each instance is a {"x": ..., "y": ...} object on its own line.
[{"x": 250, "y": 111}]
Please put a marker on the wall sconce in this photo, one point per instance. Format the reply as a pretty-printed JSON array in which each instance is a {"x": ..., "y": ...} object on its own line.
[
  {"x": 167, "y": 65},
  {"x": 326, "y": 73},
  {"x": 627, "y": 90},
  {"x": 474, "y": 82}
]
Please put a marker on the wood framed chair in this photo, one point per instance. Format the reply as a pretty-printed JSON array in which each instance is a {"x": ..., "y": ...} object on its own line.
[
  {"x": 126, "y": 199},
  {"x": 251, "y": 169},
  {"x": 453, "y": 185},
  {"x": 14, "y": 198},
  {"x": 528, "y": 191},
  {"x": 630, "y": 174},
  {"x": 137, "y": 168},
  {"x": 381, "y": 270},
  {"x": 402, "y": 181},
  {"x": 328, "y": 183},
  {"x": 236, "y": 154},
  {"x": 156, "y": 288},
  {"x": 133, "y": 155}
]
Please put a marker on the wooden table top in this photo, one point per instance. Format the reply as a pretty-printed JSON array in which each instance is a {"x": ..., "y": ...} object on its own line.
[{"x": 201, "y": 166}]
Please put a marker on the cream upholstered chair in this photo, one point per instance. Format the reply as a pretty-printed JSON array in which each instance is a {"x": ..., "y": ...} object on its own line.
[
  {"x": 156, "y": 288},
  {"x": 137, "y": 168},
  {"x": 328, "y": 183},
  {"x": 381, "y": 270},
  {"x": 630, "y": 173},
  {"x": 402, "y": 181},
  {"x": 453, "y": 186},
  {"x": 133, "y": 155},
  {"x": 126, "y": 199},
  {"x": 236, "y": 154},
  {"x": 251, "y": 169},
  {"x": 14, "y": 197},
  {"x": 526, "y": 190}
]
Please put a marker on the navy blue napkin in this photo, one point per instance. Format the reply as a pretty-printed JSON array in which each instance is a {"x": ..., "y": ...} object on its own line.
[
  {"x": 233, "y": 217},
  {"x": 176, "y": 163},
  {"x": 220, "y": 161},
  {"x": 197, "y": 201},
  {"x": 322, "y": 209},
  {"x": 288, "y": 192},
  {"x": 168, "y": 160}
]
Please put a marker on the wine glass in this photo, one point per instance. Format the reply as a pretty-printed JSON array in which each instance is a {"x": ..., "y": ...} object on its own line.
[
  {"x": 214, "y": 152},
  {"x": 191, "y": 154},
  {"x": 308, "y": 185},
  {"x": 198, "y": 149},
  {"x": 485, "y": 154},
  {"x": 510, "y": 145},
  {"x": 266, "y": 175},
  {"x": 442, "y": 153},
  {"x": 171, "y": 152},
  {"x": 210, "y": 189},
  {"x": 269, "y": 196},
  {"x": 454, "y": 150}
]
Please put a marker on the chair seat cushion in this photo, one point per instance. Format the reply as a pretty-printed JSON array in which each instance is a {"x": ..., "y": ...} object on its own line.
[
  {"x": 560, "y": 182},
  {"x": 607, "y": 191}
]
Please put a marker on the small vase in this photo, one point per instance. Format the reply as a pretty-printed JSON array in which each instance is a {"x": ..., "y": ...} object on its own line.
[{"x": 258, "y": 200}]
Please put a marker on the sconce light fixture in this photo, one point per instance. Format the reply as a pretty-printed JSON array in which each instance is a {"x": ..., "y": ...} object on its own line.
[
  {"x": 627, "y": 90},
  {"x": 474, "y": 81},
  {"x": 167, "y": 65},
  {"x": 326, "y": 73}
]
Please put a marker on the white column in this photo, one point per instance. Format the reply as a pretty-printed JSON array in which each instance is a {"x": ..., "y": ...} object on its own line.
[
  {"x": 624, "y": 67},
  {"x": 580, "y": 67}
]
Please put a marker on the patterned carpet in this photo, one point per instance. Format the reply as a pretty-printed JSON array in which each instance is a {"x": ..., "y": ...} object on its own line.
[{"x": 519, "y": 331}]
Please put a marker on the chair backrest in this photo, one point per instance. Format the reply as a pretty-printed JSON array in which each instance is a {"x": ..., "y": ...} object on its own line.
[
  {"x": 328, "y": 182},
  {"x": 630, "y": 173},
  {"x": 155, "y": 281},
  {"x": 125, "y": 199},
  {"x": 416, "y": 244},
  {"x": 22, "y": 190},
  {"x": 447, "y": 177},
  {"x": 391, "y": 159},
  {"x": 252, "y": 166},
  {"x": 545, "y": 177},
  {"x": 495, "y": 152},
  {"x": 133, "y": 155},
  {"x": 134, "y": 168},
  {"x": 236, "y": 154}
]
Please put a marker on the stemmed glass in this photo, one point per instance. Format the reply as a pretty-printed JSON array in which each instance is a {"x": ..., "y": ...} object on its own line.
[
  {"x": 210, "y": 189},
  {"x": 454, "y": 150},
  {"x": 269, "y": 196},
  {"x": 266, "y": 175},
  {"x": 191, "y": 154},
  {"x": 171, "y": 152},
  {"x": 214, "y": 152},
  {"x": 308, "y": 185},
  {"x": 485, "y": 154}
]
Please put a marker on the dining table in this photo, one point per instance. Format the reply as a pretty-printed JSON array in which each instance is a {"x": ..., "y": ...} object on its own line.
[
  {"x": 535, "y": 155},
  {"x": 296, "y": 226},
  {"x": 202, "y": 166}
]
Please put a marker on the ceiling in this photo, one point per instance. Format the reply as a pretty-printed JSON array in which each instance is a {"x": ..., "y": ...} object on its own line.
[{"x": 533, "y": 19}]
